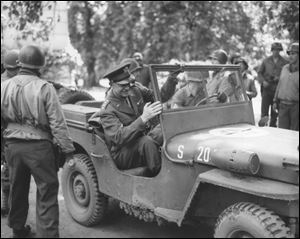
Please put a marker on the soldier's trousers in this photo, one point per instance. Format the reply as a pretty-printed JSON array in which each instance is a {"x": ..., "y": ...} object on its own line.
[
  {"x": 143, "y": 151},
  {"x": 266, "y": 104},
  {"x": 36, "y": 158},
  {"x": 289, "y": 116}
]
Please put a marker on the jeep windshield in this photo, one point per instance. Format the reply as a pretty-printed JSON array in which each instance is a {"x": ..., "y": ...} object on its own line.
[
  {"x": 199, "y": 86},
  {"x": 206, "y": 96}
]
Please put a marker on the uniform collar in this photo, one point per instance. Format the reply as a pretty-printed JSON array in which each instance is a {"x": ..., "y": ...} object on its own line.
[{"x": 26, "y": 71}]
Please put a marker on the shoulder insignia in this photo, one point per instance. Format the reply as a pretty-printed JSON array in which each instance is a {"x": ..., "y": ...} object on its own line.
[{"x": 105, "y": 104}]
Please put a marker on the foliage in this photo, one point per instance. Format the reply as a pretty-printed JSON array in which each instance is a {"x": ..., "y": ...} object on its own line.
[
  {"x": 290, "y": 18},
  {"x": 56, "y": 61},
  {"x": 161, "y": 30},
  {"x": 25, "y": 18}
]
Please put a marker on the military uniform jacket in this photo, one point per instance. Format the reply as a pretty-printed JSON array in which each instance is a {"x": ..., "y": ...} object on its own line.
[
  {"x": 122, "y": 124},
  {"x": 270, "y": 71},
  {"x": 28, "y": 102}
]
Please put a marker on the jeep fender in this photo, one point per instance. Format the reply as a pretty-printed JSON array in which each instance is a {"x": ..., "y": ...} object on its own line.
[{"x": 260, "y": 187}]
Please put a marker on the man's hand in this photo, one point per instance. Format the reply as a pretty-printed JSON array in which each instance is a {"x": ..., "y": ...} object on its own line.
[
  {"x": 222, "y": 97},
  {"x": 70, "y": 159},
  {"x": 265, "y": 84},
  {"x": 151, "y": 110},
  {"x": 275, "y": 106}
]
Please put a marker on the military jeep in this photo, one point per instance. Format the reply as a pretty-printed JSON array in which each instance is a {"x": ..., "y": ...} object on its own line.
[{"x": 217, "y": 166}]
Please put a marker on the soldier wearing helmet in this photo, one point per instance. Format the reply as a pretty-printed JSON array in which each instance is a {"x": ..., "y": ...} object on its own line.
[
  {"x": 11, "y": 69},
  {"x": 286, "y": 98},
  {"x": 268, "y": 76},
  {"x": 10, "y": 64},
  {"x": 143, "y": 74},
  {"x": 193, "y": 92},
  {"x": 219, "y": 84},
  {"x": 219, "y": 57},
  {"x": 32, "y": 117}
]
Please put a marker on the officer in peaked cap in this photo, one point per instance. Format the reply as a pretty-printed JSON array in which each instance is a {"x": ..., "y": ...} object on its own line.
[{"x": 128, "y": 117}]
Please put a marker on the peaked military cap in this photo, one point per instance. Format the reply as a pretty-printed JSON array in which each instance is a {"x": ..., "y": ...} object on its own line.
[{"x": 119, "y": 74}]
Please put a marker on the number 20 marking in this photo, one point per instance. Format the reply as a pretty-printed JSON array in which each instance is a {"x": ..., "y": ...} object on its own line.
[{"x": 204, "y": 154}]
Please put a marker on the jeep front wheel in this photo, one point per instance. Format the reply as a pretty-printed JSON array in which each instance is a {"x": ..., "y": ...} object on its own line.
[
  {"x": 248, "y": 220},
  {"x": 84, "y": 201}
]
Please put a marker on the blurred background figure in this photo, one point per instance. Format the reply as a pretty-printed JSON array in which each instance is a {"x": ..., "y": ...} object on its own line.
[
  {"x": 144, "y": 74},
  {"x": 286, "y": 98},
  {"x": 247, "y": 78},
  {"x": 11, "y": 68},
  {"x": 268, "y": 76}
]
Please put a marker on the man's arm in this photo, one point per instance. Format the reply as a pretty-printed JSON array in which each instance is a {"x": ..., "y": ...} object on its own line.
[
  {"x": 117, "y": 132},
  {"x": 261, "y": 72},
  {"x": 56, "y": 118}
]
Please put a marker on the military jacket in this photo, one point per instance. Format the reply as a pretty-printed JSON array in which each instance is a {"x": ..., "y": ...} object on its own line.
[
  {"x": 29, "y": 101},
  {"x": 121, "y": 122},
  {"x": 270, "y": 71}
]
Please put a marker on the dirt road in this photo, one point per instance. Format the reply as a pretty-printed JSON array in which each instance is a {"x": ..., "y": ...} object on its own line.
[{"x": 117, "y": 224}]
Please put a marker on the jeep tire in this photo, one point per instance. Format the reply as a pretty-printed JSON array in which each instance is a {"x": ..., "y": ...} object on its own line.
[
  {"x": 85, "y": 203},
  {"x": 250, "y": 220},
  {"x": 67, "y": 96}
]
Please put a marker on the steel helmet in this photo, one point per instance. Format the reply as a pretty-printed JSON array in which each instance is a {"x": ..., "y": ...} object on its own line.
[
  {"x": 293, "y": 48},
  {"x": 276, "y": 46},
  {"x": 220, "y": 56},
  {"x": 10, "y": 60},
  {"x": 134, "y": 65},
  {"x": 31, "y": 57}
]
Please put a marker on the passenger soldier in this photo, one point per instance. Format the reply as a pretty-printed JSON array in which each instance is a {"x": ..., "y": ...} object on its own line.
[
  {"x": 128, "y": 119},
  {"x": 32, "y": 118},
  {"x": 192, "y": 93},
  {"x": 268, "y": 76},
  {"x": 11, "y": 69},
  {"x": 219, "y": 83},
  {"x": 286, "y": 97}
]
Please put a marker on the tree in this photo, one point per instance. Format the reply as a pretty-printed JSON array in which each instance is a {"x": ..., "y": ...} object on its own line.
[{"x": 290, "y": 18}]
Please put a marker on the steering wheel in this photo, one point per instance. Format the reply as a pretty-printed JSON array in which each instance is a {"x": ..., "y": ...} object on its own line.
[{"x": 206, "y": 98}]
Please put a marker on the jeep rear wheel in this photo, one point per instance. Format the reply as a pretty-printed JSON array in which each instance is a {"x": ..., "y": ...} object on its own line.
[
  {"x": 84, "y": 201},
  {"x": 248, "y": 220}
]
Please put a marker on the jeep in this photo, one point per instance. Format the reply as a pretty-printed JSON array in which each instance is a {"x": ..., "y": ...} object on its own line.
[{"x": 218, "y": 167}]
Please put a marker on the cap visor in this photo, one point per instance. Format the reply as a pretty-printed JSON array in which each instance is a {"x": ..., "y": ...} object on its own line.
[{"x": 123, "y": 82}]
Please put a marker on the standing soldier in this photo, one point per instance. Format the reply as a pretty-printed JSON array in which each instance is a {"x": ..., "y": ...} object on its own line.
[
  {"x": 247, "y": 79},
  {"x": 10, "y": 64},
  {"x": 144, "y": 76},
  {"x": 268, "y": 76},
  {"x": 287, "y": 92},
  {"x": 32, "y": 118},
  {"x": 11, "y": 69}
]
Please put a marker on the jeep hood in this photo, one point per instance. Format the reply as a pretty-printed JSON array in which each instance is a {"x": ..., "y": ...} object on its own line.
[{"x": 277, "y": 149}]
